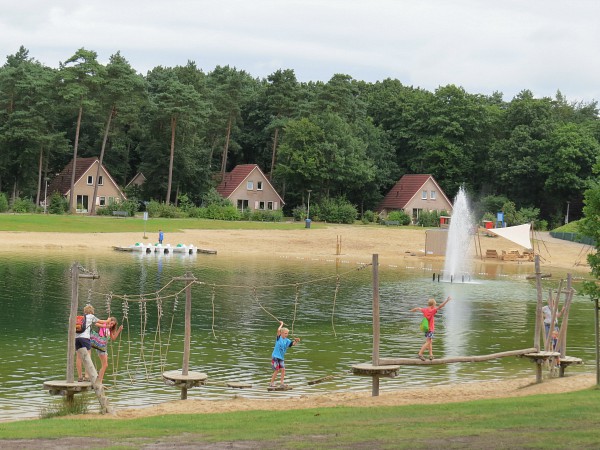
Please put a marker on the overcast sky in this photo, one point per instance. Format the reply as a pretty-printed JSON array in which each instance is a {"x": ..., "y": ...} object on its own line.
[{"x": 481, "y": 45}]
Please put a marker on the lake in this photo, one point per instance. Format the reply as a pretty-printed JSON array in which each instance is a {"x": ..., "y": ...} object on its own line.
[{"x": 235, "y": 306}]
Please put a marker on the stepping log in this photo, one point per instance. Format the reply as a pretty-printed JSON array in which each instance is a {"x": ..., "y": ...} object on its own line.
[
  {"x": 279, "y": 387},
  {"x": 238, "y": 385}
]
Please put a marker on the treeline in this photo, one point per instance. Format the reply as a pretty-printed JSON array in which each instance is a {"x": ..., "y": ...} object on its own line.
[{"x": 183, "y": 128}]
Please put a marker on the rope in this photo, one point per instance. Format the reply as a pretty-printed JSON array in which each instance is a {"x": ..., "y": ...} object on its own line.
[
  {"x": 255, "y": 297},
  {"x": 212, "y": 300},
  {"x": 295, "y": 308},
  {"x": 337, "y": 288}
]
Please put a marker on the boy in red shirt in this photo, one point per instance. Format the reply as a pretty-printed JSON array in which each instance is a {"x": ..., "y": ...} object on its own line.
[{"x": 429, "y": 313}]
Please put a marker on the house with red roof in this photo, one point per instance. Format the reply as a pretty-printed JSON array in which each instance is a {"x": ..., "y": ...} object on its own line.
[
  {"x": 85, "y": 181},
  {"x": 248, "y": 188},
  {"x": 415, "y": 193}
]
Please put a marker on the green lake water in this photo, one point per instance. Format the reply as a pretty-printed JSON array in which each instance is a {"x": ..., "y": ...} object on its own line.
[{"x": 234, "y": 304}]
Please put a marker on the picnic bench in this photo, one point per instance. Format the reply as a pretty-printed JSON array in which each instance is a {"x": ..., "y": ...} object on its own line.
[{"x": 120, "y": 213}]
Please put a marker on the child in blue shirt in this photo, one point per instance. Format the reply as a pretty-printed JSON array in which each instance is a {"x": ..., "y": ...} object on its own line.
[{"x": 282, "y": 343}]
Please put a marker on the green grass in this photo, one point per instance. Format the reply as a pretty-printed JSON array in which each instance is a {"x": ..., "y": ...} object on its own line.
[
  {"x": 543, "y": 421},
  {"x": 109, "y": 224}
]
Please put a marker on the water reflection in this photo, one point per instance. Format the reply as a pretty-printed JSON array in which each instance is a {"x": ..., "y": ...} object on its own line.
[{"x": 233, "y": 325}]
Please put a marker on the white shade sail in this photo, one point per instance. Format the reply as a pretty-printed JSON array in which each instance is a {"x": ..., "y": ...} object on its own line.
[{"x": 519, "y": 234}]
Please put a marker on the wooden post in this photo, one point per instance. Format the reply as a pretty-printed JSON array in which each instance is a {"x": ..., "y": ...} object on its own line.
[
  {"x": 375, "y": 355},
  {"x": 188, "y": 331},
  {"x": 72, "y": 321},
  {"x": 538, "y": 310},
  {"x": 105, "y": 407}
]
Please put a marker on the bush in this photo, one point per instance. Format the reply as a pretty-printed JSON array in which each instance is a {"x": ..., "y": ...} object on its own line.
[
  {"x": 299, "y": 213},
  {"x": 337, "y": 210},
  {"x": 3, "y": 202},
  {"x": 399, "y": 216},
  {"x": 429, "y": 219},
  {"x": 58, "y": 204},
  {"x": 369, "y": 217},
  {"x": 23, "y": 205},
  {"x": 267, "y": 216}
]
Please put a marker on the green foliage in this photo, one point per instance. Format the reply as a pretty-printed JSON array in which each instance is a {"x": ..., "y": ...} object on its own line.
[
  {"x": 429, "y": 218},
  {"x": 3, "y": 202},
  {"x": 399, "y": 216},
  {"x": 267, "y": 216},
  {"x": 58, "y": 204},
  {"x": 336, "y": 210},
  {"x": 590, "y": 226},
  {"x": 23, "y": 205},
  {"x": 61, "y": 408},
  {"x": 369, "y": 217},
  {"x": 299, "y": 213},
  {"x": 212, "y": 197},
  {"x": 227, "y": 212}
]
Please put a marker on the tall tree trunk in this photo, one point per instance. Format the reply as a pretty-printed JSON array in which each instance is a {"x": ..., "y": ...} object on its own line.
[
  {"x": 225, "y": 150},
  {"x": 72, "y": 196},
  {"x": 40, "y": 164},
  {"x": 173, "y": 126},
  {"x": 110, "y": 116},
  {"x": 273, "y": 153}
]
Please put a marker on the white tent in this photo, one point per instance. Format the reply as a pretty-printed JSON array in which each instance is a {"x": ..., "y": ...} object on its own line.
[{"x": 519, "y": 234}]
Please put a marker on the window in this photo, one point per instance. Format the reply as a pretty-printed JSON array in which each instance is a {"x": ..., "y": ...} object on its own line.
[
  {"x": 270, "y": 206},
  {"x": 261, "y": 205},
  {"x": 424, "y": 195},
  {"x": 259, "y": 186},
  {"x": 102, "y": 201},
  {"x": 90, "y": 180},
  {"x": 242, "y": 204},
  {"x": 100, "y": 180},
  {"x": 82, "y": 203},
  {"x": 250, "y": 185},
  {"x": 432, "y": 195}
]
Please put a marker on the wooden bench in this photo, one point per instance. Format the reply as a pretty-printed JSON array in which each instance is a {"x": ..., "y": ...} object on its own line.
[
  {"x": 120, "y": 213},
  {"x": 491, "y": 253}
]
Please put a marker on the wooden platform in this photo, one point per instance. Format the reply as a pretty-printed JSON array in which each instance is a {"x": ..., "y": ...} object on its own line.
[
  {"x": 175, "y": 378},
  {"x": 62, "y": 387},
  {"x": 567, "y": 361},
  {"x": 370, "y": 370}
]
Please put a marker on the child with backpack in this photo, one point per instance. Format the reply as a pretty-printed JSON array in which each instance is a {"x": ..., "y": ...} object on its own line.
[
  {"x": 429, "y": 314},
  {"x": 82, "y": 335}
]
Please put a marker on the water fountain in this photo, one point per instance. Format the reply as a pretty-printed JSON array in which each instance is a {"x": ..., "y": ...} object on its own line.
[{"x": 457, "y": 267}]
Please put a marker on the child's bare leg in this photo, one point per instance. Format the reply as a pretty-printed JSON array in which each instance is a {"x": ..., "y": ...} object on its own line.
[
  {"x": 282, "y": 375},
  {"x": 424, "y": 347},
  {"x": 104, "y": 359},
  {"x": 78, "y": 364},
  {"x": 430, "y": 342},
  {"x": 274, "y": 376}
]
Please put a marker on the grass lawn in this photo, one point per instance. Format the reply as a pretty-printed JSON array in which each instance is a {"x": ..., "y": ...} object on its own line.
[
  {"x": 110, "y": 224},
  {"x": 544, "y": 421}
]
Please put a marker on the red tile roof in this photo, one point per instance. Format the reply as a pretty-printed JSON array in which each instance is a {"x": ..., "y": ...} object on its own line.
[
  {"x": 403, "y": 191},
  {"x": 62, "y": 182},
  {"x": 233, "y": 179}
]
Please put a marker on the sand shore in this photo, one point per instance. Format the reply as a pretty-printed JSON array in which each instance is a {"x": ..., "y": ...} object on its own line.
[{"x": 358, "y": 244}]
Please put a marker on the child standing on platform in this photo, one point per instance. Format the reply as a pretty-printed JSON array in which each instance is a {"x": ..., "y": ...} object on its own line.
[
  {"x": 429, "y": 313},
  {"x": 282, "y": 343}
]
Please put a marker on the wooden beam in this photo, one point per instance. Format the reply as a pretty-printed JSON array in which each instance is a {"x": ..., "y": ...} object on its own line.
[{"x": 455, "y": 359}]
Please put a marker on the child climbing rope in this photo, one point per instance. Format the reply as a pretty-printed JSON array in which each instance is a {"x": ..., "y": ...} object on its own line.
[
  {"x": 429, "y": 313},
  {"x": 282, "y": 343}
]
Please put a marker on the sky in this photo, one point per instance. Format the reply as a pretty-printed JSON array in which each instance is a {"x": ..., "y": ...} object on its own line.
[{"x": 484, "y": 46}]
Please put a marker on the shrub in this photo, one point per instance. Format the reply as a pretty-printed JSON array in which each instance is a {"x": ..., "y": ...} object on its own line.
[
  {"x": 337, "y": 210},
  {"x": 267, "y": 216},
  {"x": 23, "y": 205},
  {"x": 3, "y": 202},
  {"x": 429, "y": 219},
  {"x": 299, "y": 213},
  {"x": 369, "y": 217},
  {"x": 58, "y": 204},
  {"x": 399, "y": 216}
]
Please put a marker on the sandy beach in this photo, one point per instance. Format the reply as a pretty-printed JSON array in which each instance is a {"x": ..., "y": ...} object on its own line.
[{"x": 358, "y": 244}]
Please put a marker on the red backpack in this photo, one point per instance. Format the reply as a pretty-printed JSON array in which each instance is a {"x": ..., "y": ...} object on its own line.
[{"x": 80, "y": 324}]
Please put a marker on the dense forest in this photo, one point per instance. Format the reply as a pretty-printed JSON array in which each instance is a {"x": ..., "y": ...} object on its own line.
[{"x": 183, "y": 128}]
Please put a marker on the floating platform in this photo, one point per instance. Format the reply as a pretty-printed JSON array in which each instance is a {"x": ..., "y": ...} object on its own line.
[
  {"x": 177, "y": 379},
  {"x": 164, "y": 249},
  {"x": 238, "y": 385}
]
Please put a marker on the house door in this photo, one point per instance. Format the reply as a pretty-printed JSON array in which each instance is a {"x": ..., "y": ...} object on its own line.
[{"x": 82, "y": 203}]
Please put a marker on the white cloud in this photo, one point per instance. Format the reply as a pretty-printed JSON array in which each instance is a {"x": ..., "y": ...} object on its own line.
[{"x": 506, "y": 45}]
